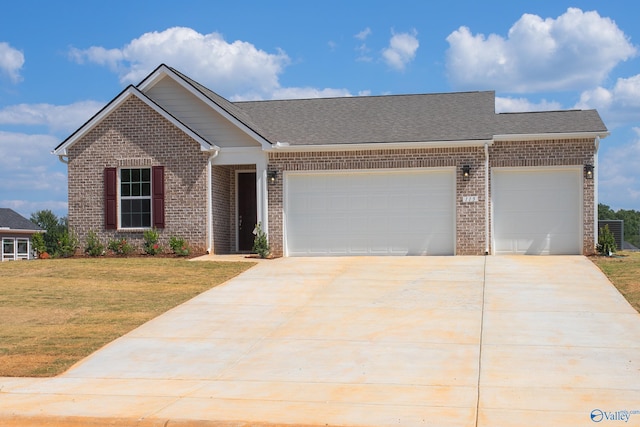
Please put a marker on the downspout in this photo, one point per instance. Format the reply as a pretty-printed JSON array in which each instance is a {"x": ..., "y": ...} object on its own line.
[
  {"x": 214, "y": 153},
  {"x": 596, "y": 144},
  {"x": 486, "y": 198},
  {"x": 64, "y": 159}
]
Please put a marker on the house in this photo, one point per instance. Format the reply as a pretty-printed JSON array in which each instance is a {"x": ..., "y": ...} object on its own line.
[
  {"x": 431, "y": 174},
  {"x": 15, "y": 233}
]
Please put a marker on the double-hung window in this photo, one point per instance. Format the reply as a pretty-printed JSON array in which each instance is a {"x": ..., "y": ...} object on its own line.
[{"x": 135, "y": 198}]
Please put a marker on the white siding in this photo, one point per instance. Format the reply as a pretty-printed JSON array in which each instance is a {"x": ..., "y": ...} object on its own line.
[{"x": 198, "y": 116}]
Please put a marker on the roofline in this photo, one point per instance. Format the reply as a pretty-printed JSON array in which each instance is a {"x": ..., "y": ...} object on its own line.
[
  {"x": 61, "y": 149},
  {"x": 19, "y": 231},
  {"x": 559, "y": 135},
  {"x": 285, "y": 147},
  {"x": 165, "y": 70}
]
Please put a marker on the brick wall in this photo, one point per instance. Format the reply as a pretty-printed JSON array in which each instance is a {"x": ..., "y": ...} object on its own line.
[
  {"x": 470, "y": 215},
  {"x": 470, "y": 237},
  {"x": 134, "y": 135},
  {"x": 567, "y": 152}
]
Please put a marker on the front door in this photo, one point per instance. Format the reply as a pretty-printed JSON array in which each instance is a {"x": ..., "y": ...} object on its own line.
[{"x": 247, "y": 210}]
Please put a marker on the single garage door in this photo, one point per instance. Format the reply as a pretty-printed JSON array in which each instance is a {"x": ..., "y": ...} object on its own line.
[
  {"x": 537, "y": 211},
  {"x": 399, "y": 212}
]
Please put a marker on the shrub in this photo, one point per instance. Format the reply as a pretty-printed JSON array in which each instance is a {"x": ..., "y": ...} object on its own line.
[
  {"x": 151, "y": 245},
  {"x": 606, "y": 242},
  {"x": 38, "y": 244},
  {"x": 93, "y": 245},
  {"x": 68, "y": 243},
  {"x": 260, "y": 243},
  {"x": 120, "y": 246},
  {"x": 179, "y": 246}
]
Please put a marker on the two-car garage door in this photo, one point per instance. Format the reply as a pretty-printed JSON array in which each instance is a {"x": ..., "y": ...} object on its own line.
[{"x": 394, "y": 212}]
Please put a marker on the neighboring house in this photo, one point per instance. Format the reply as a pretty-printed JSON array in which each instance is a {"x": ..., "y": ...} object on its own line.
[
  {"x": 433, "y": 174},
  {"x": 15, "y": 233}
]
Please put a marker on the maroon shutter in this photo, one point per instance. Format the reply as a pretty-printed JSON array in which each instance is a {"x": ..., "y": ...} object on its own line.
[
  {"x": 157, "y": 185},
  {"x": 110, "y": 198}
]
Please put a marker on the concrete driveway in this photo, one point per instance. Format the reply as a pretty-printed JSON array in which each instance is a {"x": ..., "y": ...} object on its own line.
[{"x": 446, "y": 341}]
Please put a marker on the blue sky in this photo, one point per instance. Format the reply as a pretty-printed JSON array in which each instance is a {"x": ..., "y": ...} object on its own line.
[{"x": 60, "y": 62}]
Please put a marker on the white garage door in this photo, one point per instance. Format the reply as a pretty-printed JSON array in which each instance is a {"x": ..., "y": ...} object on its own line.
[
  {"x": 537, "y": 211},
  {"x": 406, "y": 212}
]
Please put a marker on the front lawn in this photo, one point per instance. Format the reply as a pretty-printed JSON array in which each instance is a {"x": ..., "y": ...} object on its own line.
[
  {"x": 623, "y": 269},
  {"x": 54, "y": 313}
]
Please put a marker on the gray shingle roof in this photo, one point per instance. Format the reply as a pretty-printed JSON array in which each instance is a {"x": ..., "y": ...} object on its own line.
[
  {"x": 376, "y": 119},
  {"x": 14, "y": 221},
  {"x": 567, "y": 121}
]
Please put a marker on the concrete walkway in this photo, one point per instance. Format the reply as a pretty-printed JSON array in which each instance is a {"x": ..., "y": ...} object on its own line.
[{"x": 446, "y": 341}]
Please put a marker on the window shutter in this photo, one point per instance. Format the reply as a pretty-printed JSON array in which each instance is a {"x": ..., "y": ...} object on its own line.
[
  {"x": 157, "y": 185},
  {"x": 110, "y": 199}
]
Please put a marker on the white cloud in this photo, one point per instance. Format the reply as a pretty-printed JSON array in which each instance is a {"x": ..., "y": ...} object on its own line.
[
  {"x": 362, "y": 35},
  {"x": 510, "y": 105},
  {"x": 619, "y": 105},
  {"x": 27, "y": 207},
  {"x": 618, "y": 187},
  {"x": 402, "y": 50},
  {"x": 64, "y": 118},
  {"x": 11, "y": 61},
  {"x": 26, "y": 164},
  {"x": 575, "y": 51},
  {"x": 230, "y": 68}
]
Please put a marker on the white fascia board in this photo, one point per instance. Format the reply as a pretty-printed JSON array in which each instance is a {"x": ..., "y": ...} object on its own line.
[
  {"x": 547, "y": 136},
  {"x": 4, "y": 231},
  {"x": 163, "y": 71},
  {"x": 283, "y": 146},
  {"x": 113, "y": 105}
]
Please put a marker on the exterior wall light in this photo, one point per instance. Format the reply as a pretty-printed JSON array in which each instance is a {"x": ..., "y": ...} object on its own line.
[
  {"x": 588, "y": 171},
  {"x": 466, "y": 172},
  {"x": 272, "y": 175}
]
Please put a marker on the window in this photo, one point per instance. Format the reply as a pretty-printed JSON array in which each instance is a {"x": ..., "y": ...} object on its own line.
[
  {"x": 22, "y": 246},
  {"x": 8, "y": 249},
  {"x": 135, "y": 198}
]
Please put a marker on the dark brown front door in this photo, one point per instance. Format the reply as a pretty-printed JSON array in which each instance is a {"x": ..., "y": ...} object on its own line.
[{"x": 247, "y": 209}]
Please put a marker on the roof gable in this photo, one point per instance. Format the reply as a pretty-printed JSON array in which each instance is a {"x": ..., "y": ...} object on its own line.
[
  {"x": 12, "y": 220},
  {"x": 61, "y": 149},
  {"x": 219, "y": 104}
]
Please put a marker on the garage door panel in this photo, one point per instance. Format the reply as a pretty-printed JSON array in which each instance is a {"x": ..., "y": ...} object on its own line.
[
  {"x": 370, "y": 213},
  {"x": 537, "y": 211}
]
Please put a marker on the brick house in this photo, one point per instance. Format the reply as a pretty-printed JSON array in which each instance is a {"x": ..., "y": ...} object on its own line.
[{"x": 439, "y": 174}]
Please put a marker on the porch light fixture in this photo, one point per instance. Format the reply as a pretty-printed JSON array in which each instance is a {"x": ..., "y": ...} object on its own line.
[
  {"x": 588, "y": 171},
  {"x": 466, "y": 172},
  {"x": 272, "y": 175}
]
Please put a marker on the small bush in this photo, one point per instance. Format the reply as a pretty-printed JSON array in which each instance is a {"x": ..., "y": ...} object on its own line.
[
  {"x": 120, "y": 246},
  {"x": 38, "y": 244},
  {"x": 260, "y": 243},
  {"x": 93, "y": 245},
  {"x": 67, "y": 245},
  {"x": 151, "y": 245},
  {"x": 179, "y": 246},
  {"x": 606, "y": 242}
]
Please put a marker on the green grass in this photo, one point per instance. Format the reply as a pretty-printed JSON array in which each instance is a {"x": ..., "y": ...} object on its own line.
[
  {"x": 623, "y": 269},
  {"x": 54, "y": 313}
]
